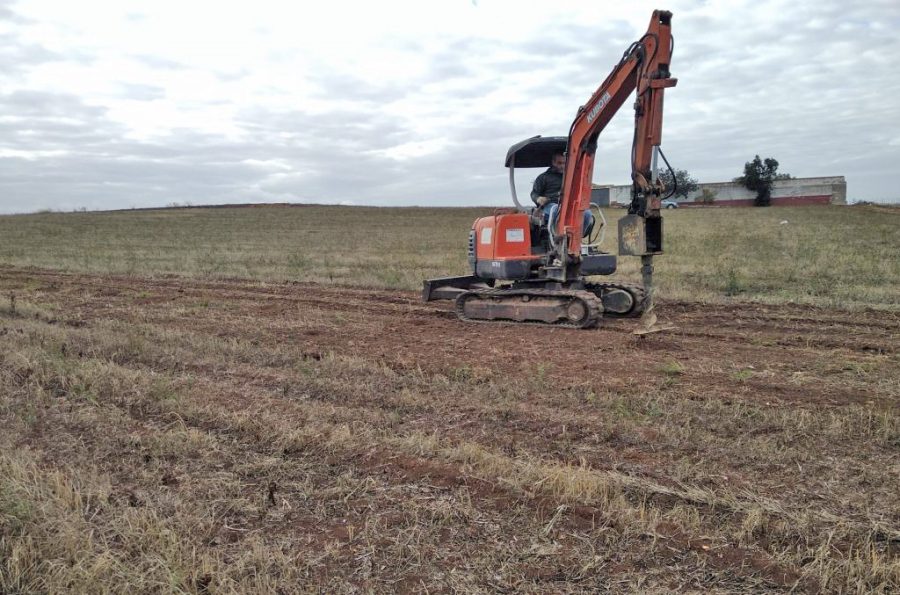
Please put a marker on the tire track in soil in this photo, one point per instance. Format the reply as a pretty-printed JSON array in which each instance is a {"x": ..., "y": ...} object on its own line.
[{"x": 408, "y": 333}]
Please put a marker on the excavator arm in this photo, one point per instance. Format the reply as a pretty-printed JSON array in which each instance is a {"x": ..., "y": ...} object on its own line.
[{"x": 644, "y": 68}]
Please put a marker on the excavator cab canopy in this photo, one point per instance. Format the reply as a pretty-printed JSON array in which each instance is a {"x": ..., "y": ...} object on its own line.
[{"x": 536, "y": 151}]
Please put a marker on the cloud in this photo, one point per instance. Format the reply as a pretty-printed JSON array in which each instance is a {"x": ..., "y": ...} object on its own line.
[
  {"x": 158, "y": 62},
  {"x": 138, "y": 92},
  {"x": 17, "y": 56},
  {"x": 99, "y": 113},
  {"x": 7, "y": 14}
]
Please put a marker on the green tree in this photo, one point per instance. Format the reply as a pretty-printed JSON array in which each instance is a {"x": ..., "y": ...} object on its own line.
[
  {"x": 758, "y": 177},
  {"x": 683, "y": 184}
]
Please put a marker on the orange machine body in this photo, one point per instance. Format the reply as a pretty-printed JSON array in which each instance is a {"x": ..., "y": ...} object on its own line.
[{"x": 500, "y": 246}]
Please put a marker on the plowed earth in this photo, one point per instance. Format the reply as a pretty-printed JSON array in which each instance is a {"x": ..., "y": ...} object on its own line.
[{"x": 361, "y": 440}]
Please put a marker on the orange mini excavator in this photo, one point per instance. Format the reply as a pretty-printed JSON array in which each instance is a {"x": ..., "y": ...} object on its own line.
[{"x": 526, "y": 271}]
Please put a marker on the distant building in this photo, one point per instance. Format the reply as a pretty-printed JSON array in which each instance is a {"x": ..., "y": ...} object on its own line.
[
  {"x": 798, "y": 191},
  {"x": 600, "y": 195}
]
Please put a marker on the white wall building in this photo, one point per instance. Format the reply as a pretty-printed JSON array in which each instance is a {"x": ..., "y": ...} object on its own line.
[{"x": 797, "y": 191}]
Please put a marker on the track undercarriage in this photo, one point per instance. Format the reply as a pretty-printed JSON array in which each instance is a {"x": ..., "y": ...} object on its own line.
[{"x": 577, "y": 307}]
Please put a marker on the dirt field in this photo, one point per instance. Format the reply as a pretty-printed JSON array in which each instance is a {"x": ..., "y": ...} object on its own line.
[{"x": 172, "y": 434}]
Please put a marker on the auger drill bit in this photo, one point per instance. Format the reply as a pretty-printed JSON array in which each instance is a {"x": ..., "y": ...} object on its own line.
[{"x": 648, "y": 318}]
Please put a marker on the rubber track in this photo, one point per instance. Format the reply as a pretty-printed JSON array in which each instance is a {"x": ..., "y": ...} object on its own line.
[
  {"x": 595, "y": 306},
  {"x": 637, "y": 293}
]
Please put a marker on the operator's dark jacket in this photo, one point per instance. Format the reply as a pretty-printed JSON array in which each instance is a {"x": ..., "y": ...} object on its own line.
[{"x": 547, "y": 184}]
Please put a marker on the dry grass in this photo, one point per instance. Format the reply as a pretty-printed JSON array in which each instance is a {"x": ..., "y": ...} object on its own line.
[
  {"x": 199, "y": 435},
  {"x": 834, "y": 256},
  {"x": 149, "y": 451}
]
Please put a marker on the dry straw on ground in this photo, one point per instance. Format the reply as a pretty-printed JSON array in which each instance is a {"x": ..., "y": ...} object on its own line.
[{"x": 202, "y": 435}]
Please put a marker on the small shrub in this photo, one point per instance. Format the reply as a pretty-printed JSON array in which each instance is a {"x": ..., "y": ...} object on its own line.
[
  {"x": 733, "y": 284},
  {"x": 14, "y": 511},
  {"x": 707, "y": 196},
  {"x": 672, "y": 368},
  {"x": 743, "y": 375}
]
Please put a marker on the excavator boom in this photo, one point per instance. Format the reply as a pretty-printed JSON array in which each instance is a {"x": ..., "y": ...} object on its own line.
[{"x": 644, "y": 68}]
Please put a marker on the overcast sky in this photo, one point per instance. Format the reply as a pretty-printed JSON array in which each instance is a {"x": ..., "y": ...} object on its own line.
[{"x": 130, "y": 104}]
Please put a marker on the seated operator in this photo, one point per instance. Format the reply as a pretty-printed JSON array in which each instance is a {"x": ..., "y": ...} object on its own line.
[{"x": 546, "y": 191}]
